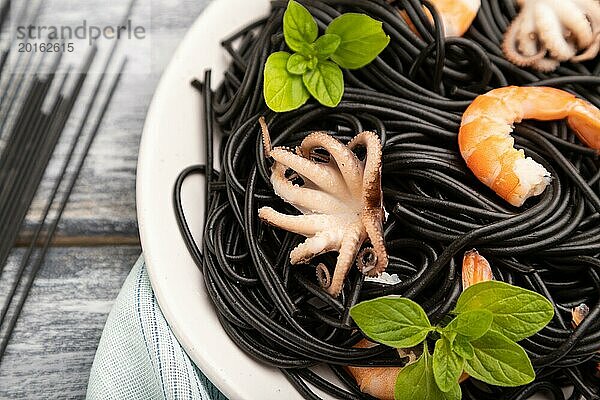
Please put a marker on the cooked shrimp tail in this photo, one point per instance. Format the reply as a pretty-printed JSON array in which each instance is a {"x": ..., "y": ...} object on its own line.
[
  {"x": 487, "y": 147},
  {"x": 457, "y": 15},
  {"x": 379, "y": 382},
  {"x": 476, "y": 269},
  {"x": 585, "y": 121}
]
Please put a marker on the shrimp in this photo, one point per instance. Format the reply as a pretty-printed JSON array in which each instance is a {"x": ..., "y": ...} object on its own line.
[
  {"x": 457, "y": 15},
  {"x": 379, "y": 382},
  {"x": 475, "y": 269},
  {"x": 487, "y": 147},
  {"x": 578, "y": 314}
]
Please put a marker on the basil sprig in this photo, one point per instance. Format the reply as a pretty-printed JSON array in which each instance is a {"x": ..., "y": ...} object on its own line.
[
  {"x": 481, "y": 338},
  {"x": 351, "y": 41}
]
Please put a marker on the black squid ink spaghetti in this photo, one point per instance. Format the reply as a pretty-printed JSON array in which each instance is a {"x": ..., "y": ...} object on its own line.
[{"x": 412, "y": 96}]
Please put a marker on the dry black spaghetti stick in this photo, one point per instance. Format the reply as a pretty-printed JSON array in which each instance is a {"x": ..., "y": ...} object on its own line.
[
  {"x": 25, "y": 260},
  {"x": 25, "y": 114},
  {"x": 15, "y": 219},
  {"x": 23, "y": 194},
  {"x": 5, "y": 249},
  {"x": 19, "y": 20},
  {"x": 3, "y": 60},
  {"x": 63, "y": 203},
  {"x": 24, "y": 147},
  {"x": 19, "y": 165},
  {"x": 22, "y": 130},
  {"x": 5, "y": 13},
  {"x": 21, "y": 118},
  {"x": 13, "y": 96},
  {"x": 60, "y": 113}
]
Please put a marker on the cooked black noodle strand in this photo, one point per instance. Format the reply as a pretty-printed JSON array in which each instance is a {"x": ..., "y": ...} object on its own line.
[{"x": 412, "y": 96}]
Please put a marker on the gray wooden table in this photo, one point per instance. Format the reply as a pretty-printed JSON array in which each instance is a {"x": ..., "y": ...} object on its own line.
[{"x": 53, "y": 345}]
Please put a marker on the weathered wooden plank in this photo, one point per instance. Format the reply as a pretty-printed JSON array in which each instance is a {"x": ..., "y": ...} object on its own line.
[{"x": 54, "y": 342}]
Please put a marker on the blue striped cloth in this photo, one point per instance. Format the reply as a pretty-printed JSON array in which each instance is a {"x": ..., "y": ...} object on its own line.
[{"x": 138, "y": 356}]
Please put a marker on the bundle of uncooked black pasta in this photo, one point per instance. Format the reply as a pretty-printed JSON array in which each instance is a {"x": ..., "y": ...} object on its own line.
[{"x": 412, "y": 96}]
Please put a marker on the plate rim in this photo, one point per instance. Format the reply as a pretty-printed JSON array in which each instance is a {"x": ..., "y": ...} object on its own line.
[{"x": 233, "y": 384}]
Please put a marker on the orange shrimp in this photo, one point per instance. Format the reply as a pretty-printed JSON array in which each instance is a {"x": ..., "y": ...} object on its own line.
[
  {"x": 457, "y": 15},
  {"x": 379, "y": 382},
  {"x": 578, "y": 314},
  {"x": 475, "y": 269},
  {"x": 487, "y": 147}
]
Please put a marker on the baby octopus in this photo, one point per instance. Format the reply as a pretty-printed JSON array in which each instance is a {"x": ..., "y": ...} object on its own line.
[
  {"x": 547, "y": 32},
  {"x": 341, "y": 201}
]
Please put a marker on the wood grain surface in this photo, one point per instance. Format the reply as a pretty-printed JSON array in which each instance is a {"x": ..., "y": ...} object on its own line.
[
  {"x": 55, "y": 339},
  {"x": 53, "y": 345}
]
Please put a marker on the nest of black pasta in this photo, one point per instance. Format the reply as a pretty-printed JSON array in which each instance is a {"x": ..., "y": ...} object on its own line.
[{"x": 413, "y": 99}]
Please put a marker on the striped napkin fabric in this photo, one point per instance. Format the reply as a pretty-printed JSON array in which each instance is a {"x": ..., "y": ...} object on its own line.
[{"x": 138, "y": 356}]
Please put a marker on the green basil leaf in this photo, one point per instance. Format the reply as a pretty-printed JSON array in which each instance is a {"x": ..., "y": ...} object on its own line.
[
  {"x": 518, "y": 313},
  {"x": 499, "y": 361},
  {"x": 325, "y": 83},
  {"x": 453, "y": 394},
  {"x": 447, "y": 365},
  {"x": 362, "y": 38},
  {"x": 471, "y": 324},
  {"x": 299, "y": 28},
  {"x": 416, "y": 382},
  {"x": 394, "y": 321},
  {"x": 297, "y": 64},
  {"x": 463, "y": 348},
  {"x": 326, "y": 45},
  {"x": 282, "y": 90},
  {"x": 449, "y": 335}
]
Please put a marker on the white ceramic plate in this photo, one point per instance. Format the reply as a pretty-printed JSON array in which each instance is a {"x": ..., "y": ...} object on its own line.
[{"x": 171, "y": 142}]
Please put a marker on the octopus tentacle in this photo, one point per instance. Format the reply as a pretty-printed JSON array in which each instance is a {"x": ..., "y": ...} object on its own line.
[
  {"x": 348, "y": 251},
  {"x": 373, "y": 220},
  {"x": 372, "y": 172},
  {"x": 346, "y": 161},
  {"x": 577, "y": 23},
  {"x": 592, "y": 13},
  {"x": 305, "y": 224},
  {"x": 551, "y": 32},
  {"x": 305, "y": 199},
  {"x": 324, "y": 176},
  {"x": 547, "y": 32},
  {"x": 546, "y": 64},
  {"x": 521, "y": 48},
  {"x": 321, "y": 243},
  {"x": 372, "y": 144},
  {"x": 375, "y": 234},
  {"x": 591, "y": 51},
  {"x": 591, "y": 9}
]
